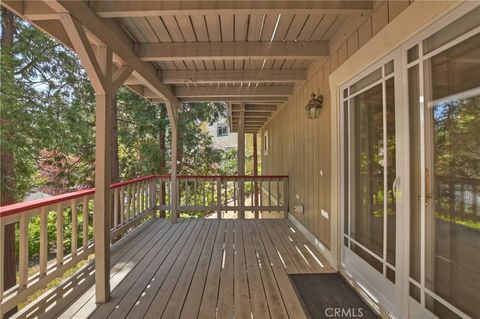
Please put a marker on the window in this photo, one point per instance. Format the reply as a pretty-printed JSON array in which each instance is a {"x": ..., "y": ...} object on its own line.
[
  {"x": 222, "y": 130},
  {"x": 265, "y": 143}
]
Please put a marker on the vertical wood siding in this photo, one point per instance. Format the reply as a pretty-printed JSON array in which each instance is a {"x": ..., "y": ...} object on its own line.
[{"x": 301, "y": 148}]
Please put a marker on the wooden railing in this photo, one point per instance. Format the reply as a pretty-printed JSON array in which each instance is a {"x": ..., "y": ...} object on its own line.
[
  {"x": 458, "y": 197},
  {"x": 236, "y": 195},
  {"x": 60, "y": 227},
  {"x": 133, "y": 201}
]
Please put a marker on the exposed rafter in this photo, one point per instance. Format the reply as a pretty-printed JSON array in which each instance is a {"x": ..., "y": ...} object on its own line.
[
  {"x": 213, "y": 76},
  {"x": 252, "y": 114},
  {"x": 137, "y": 8},
  {"x": 231, "y": 50},
  {"x": 247, "y": 99},
  {"x": 230, "y": 91},
  {"x": 255, "y": 108}
]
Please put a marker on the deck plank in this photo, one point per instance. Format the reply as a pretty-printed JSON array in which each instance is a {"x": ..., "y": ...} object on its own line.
[
  {"x": 177, "y": 299},
  {"x": 255, "y": 283},
  {"x": 282, "y": 247},
  {"x": 210, "y": 294},
  {"x": 85, "y": 304},
  {"x": 317, "y": 263},
  {"x": 226, "y": 291},
  {"x": 274, "y": 297},
  {"x": 124, "y": 296},
  {"x": 293, "y": 305},
  {"x": 242, "y": 299},
  {"x": 201, "y": 268},
  {"x": 195, "y": 292},
  {"x": 182, "y": 247}
]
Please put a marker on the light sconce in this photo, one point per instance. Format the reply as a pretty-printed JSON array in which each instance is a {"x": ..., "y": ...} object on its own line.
[{"x": 313, "y": 107}]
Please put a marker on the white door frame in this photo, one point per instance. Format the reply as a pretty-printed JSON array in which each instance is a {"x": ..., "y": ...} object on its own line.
[
  {"x": 406, "y": 306},
  {"x": 375, "y": 284}
]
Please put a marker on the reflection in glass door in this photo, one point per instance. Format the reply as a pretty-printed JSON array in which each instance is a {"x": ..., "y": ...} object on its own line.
[
  {"x": 370, "y": 149},
  {"x": 444, "y": 111}
]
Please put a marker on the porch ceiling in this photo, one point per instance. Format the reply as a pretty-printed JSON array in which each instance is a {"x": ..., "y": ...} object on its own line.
[{"x": 206, "y": 50}]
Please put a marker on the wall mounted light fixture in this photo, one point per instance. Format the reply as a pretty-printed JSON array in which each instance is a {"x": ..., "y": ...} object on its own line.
[{"x": 313, "y": 107}]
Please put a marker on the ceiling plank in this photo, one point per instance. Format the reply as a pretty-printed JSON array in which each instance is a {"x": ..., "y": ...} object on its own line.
[
  {"x": 255, "y": 108},
  {"x": 252, "y": 114},
  {"x": 139, "y": 8},
  {"x": 230, "y": 91},
  {"x": 231, "y": 50},
  {"x": 253, "y": 99},
  {"x": 214, "y": 76}
]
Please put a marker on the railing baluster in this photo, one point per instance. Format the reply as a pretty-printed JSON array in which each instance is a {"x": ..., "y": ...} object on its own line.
[
  {"x": 2, "y": 259},
  {"x": 116, "y": 199},
  {"x": 285, "y": 198},
  {"x": 59, "y": 234},
  {"x": 85, "y": 223},
  {"x": 23, "y": 252},
  {"x": 43, "y": 241},
  {"x": 269, "y": 194},
  {"x": 73, "y": 246},
  {"x": 219, "y": 198}
]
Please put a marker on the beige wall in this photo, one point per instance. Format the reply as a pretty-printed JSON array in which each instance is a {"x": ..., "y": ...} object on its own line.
[{"x": 301, "y": 148}]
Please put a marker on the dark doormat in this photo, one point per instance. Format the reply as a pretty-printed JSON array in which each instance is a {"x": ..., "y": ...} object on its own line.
[{"x": 329, "y": 296}]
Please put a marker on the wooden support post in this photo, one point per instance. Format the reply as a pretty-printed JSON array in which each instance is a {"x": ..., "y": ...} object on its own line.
[
  {"x": 255, "y": 173},
  {"x": 241, "y": 159},
  {"x": 172, "y": 114},
  {"x": 219, "y": 198},
  {"x": 101, "y": 215},
  {"x": 99, "y": 67}
]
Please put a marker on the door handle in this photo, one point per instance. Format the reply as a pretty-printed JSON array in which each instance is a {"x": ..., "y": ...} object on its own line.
[
  {"x": 428, "y": 197},
  {"x": 395, "y": 185}
]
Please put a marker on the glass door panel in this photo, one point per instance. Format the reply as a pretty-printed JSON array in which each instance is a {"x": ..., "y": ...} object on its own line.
[
  {"x": 368, "y": 160},
  {"x": 370, "y": 245},
  {"x": 452, "y": 173}
]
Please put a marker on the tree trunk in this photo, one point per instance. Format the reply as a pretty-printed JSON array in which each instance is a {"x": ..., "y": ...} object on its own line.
[
  {"x": 115, "y": 161},
  {"x": 115, "y": 168},
  {"x": 162, "y": 169},
  {"x": 7, "y": 168}
]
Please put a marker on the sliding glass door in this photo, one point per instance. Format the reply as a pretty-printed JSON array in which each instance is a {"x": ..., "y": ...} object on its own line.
[
  {"x": 411, "y": 173},
  {"x": 444, "y": 108},
  {"x": 369, "y": 253}
]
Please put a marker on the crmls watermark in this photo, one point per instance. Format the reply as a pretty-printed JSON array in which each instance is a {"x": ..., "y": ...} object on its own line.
[{"x": 344, "y": 312}]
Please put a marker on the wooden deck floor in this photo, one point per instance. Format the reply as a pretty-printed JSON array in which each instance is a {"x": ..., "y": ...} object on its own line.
[{"x": 202, "y": 268}]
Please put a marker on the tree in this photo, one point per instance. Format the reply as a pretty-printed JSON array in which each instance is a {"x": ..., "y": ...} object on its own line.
[{"x": 7, "y": 171}]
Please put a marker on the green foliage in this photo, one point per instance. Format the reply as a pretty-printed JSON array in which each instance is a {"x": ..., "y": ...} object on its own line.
[{"x": 48, "y": 124}]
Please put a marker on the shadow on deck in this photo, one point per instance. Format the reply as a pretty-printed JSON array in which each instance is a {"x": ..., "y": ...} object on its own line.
[{"x": 201, "y": 268}]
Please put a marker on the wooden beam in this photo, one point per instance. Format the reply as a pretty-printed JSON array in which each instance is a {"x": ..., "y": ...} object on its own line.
[
  {"x": 120, "y": 76},
  {"x": 84, "y": 51},
  {"x": 176, "y": 51},
  {"x": 255, "y": 108},
  {"x": 138, "y": 8},
  {"x": 252, "y": 99},
  {"x": 231, "y": 91},
  {"x": 214, "y": 76},
  {"x": 38, "y": 10},
  {"x": 263, "y": 119},
  {"x": 113, "y": 36},
  {"x": 53, "y": 28},
  {"x": 252, "y": 114}
]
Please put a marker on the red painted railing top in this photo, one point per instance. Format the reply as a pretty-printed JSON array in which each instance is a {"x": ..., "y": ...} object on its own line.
[
  {"x": 13, "y": 209},
  {"x": 30, "y": 205},
  {"x": 232, "y": 176}
]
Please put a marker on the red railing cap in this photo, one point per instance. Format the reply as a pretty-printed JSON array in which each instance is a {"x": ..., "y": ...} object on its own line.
[{"x": 13, "y": 209}]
